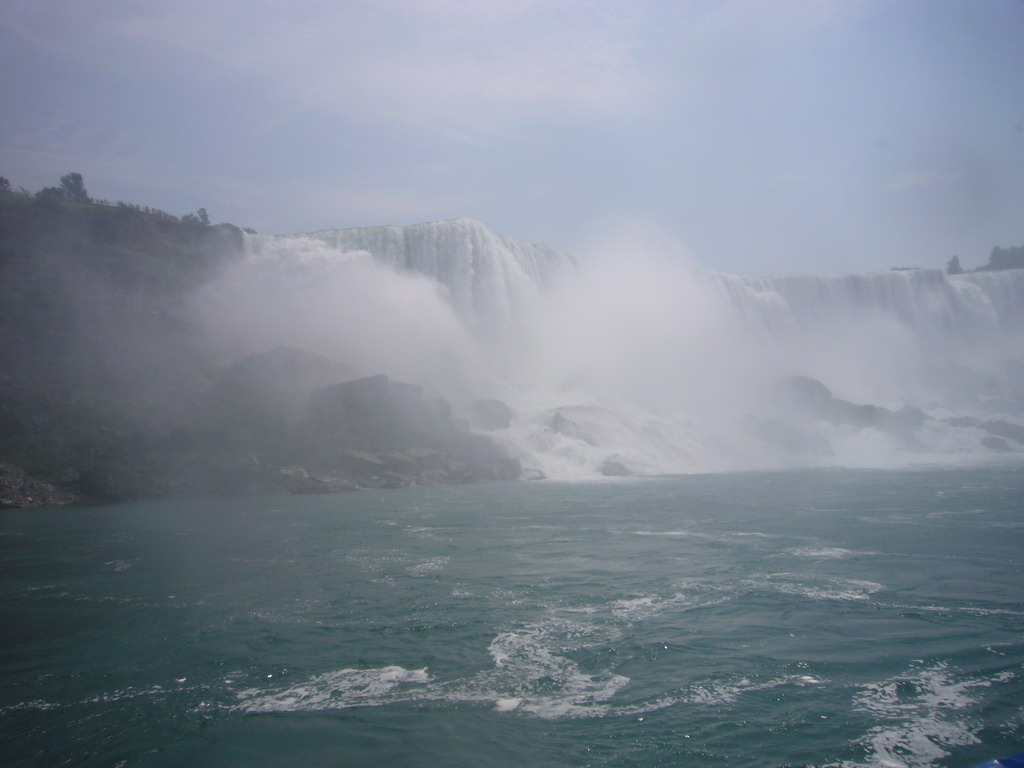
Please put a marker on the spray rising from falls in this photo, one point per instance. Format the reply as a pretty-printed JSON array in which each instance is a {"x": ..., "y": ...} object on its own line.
[
  {"x": 633, "y": 361},
  {"x": 490, "y": 280}
]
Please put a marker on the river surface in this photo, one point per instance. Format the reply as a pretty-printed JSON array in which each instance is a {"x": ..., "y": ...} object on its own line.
[{"x": 815, "y": 618}]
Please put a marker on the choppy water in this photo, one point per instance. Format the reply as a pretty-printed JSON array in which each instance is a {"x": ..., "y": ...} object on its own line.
[{"x": 823, "y": 618}]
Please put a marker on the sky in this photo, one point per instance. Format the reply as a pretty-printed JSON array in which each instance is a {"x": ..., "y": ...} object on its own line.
[{"x": 758, "y": 136}]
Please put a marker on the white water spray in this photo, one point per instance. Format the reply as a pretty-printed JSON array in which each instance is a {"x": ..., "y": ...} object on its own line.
[{"x": 635, "y": 361}]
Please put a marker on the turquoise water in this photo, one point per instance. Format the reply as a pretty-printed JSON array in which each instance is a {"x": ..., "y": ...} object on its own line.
[{"x": 818, "y": 618}]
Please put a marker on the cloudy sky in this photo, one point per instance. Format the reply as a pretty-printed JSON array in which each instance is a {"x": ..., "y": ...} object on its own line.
[{"x": 764, "y": 136}]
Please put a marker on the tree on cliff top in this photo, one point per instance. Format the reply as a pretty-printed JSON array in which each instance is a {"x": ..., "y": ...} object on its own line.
[
  {"x": 71, "y": 190},
  {"x": 1005, "y": 258}
]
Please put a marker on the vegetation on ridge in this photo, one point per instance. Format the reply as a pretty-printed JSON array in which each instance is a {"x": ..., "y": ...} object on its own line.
[
  {"x": 110, "y": 389},
  {"x": 998, "y": 260},
  {"x": 94, "y": 350}
]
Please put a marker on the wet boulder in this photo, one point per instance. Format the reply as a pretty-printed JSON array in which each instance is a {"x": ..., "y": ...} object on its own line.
[
  {"x": 490, "y": 415},
  {"x": 1005, "y": 429},
  {"x": 614, "y": 468},
  {"x": 18, "y": 489},
  {"x": 996, "y": 444},
  {"x": 370, "y": 414}
]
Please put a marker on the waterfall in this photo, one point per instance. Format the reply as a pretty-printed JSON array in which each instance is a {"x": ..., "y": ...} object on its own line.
[
  {"x": 968, "y": 306},
  {"x": 491, "y": 279},
  {"x": 631, "y": 361}
]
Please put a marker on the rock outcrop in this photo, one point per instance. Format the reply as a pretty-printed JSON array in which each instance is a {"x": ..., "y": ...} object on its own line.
[
  {"x": 811, "y": 400},
  {"x": 814, "y": 399},
  {"x": 491, "y": 415},
  {"x": 382, "y": 433},
  {"x": 18, "y": 489}
]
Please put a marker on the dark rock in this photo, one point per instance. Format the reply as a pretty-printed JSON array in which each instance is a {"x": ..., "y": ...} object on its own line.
[
  {"x": 458, "y": 472},
  {"x": 490, "y": 415},
  {"x": 360, "y": 463},
  {"x": 258, "y": 402},
  {"x": 804, "y": 392},
  {"x": 18, "y": 489},
  {"x": 614, "y": 468},
  {"x": 222, "y": 474},
  {"x": 484, "y": 473},
  {"x": 279, "y": 381},
  {"x": 1005, "y": 429},
  {"x": 383, "y": 434},
  {"x": 904, "y": 424},
  {"x": 113, "y": 482},
  {"x": 907, "y": 417},
  {"x": 371, "y": 413},
  {"x": 428, "y": 459},
  {"x": 399, "y": 463},
  {"x": 474, "y": 447},
  {"x": 996, "y": 444},
  {"x": 814, "y": 399},
  {"x": 852, "y": 414}
]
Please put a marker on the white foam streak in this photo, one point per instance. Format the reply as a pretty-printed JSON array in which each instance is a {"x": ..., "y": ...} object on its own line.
[
  {"x": 827, "y": 553},
  {"x": 336, "y": 690},
  {"x": 727, "y": 692},
  {"x": 921, "y": 714},
  {"x": 531, "y": 674},
  {"x": 824, "y": 589},
  {"x": 532, "y": 671}
]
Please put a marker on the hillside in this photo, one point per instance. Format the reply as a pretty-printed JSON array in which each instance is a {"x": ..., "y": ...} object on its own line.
[{"x": 110, "y": 390}]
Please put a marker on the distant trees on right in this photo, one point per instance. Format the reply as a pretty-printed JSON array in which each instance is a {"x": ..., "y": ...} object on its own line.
[
  {"x": 998, "y": 259},
  {"x": 1005, "y": 258}
]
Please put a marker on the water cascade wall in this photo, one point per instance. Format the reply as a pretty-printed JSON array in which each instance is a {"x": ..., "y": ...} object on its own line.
[
  {"x": 631, "y": 360},
  {"x": 973, "y": 305},
  {"x": 490, "y": 279}
]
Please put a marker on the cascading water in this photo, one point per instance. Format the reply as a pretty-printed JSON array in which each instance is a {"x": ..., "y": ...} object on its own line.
[
  {"x": 489, "y": 278},
  {"x": 636, "y": 362},
  {"x": 967, "y": 306}
]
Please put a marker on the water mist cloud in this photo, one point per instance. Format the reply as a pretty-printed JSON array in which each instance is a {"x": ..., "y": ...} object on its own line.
[
  {"x": 298, "y": 292},
  {"x": 631, "y": 359},
  {"x": 636, "y": 325}
]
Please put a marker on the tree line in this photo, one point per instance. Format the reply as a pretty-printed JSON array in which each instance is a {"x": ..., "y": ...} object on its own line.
[{"x": 71, "y": 189}]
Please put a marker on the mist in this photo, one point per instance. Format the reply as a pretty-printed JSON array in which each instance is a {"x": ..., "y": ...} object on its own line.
[
  {"x": 632, "y": 359},
  {"x": 156, "y": 356},
  {"x": 298, "y": 292}
]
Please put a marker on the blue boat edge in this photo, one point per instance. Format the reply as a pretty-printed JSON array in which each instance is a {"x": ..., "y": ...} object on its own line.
[{"x": 1011, "y": 761}]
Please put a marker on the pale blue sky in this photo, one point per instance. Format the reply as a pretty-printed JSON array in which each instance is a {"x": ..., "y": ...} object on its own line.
[{"x": 764, "y": 136}]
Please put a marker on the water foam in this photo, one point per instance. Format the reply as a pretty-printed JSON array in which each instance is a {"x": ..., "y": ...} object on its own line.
[
  {"x": 531, "y": 674},
  {"x": 827, "y": 553},
  {"x": 923, "y": 712},
  {"x": 532, "y": 669},
  {"x": 825, "y": 589},
  {"x": 428, "y": 567},
  {"x": 722, "y": 692},
  {"x": 341, "y": 689}
]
